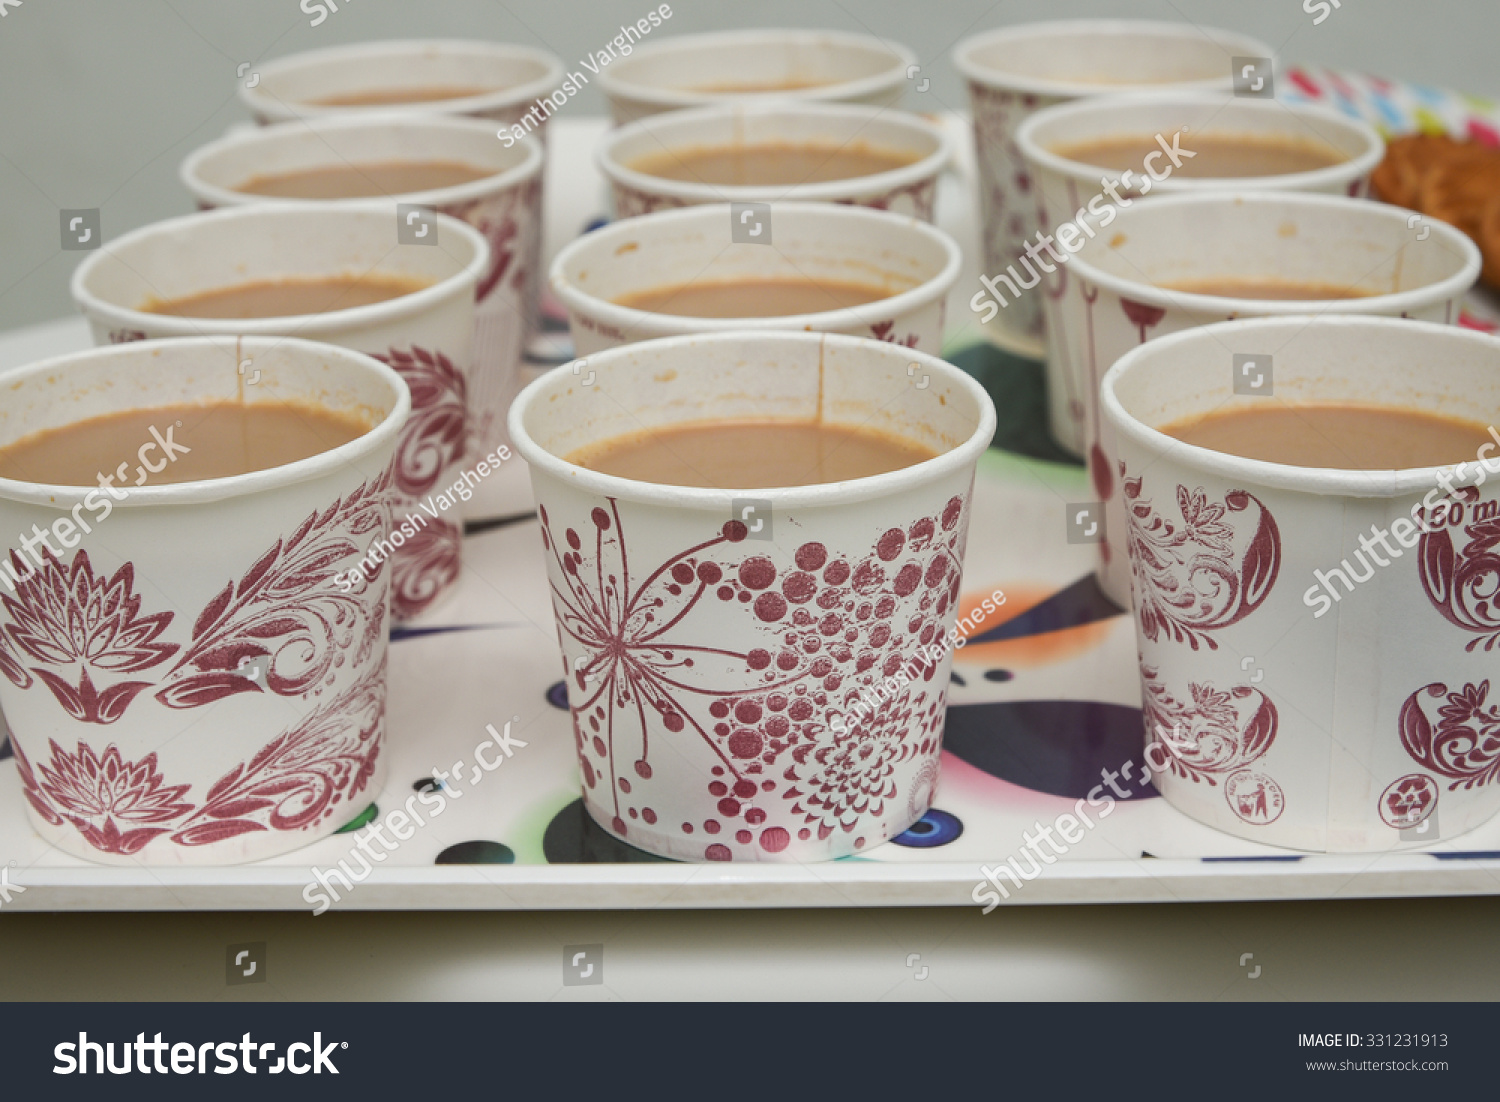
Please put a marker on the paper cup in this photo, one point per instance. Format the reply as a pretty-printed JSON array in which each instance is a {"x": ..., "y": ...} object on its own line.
[
  {"x": 510, "y": 79},
  {"x": 918, "y": 263},
  {"x": 1013, "y": 71},
  {"x": 716, "y": 640},
  {"x": 1301, "y": 688},
  {"x": 505, "y": 207},
  {"x": 185, "y": 683},
  {"x": 696, "y": 70},
  {"x": 911, "y": 189},
  {"x": 1065, "y": 187},
  {"x": 427, "y": 336},
  {"x": 1112, "y": 301}
]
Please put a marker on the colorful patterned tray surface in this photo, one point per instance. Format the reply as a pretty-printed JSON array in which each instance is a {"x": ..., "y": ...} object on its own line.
[{"x": 1043, "y": 708}]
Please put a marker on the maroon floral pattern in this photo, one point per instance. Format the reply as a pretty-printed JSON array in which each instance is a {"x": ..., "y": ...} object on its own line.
[
  {"x": 65, "y": 617},
  {"x": 285, "y": 612},
  {"x": 630, "y": 203},
  {"x": 294, "y": 782},
  {"x": 10, "y": 664},
  {"x": 1217, "y": 732},
  {"x": 83, "y": 631},
  {"x": 1463, "y": 582},
  {"x": 437, "y": 434},
  {"x": 1054, "y": 286},
  {"x": 299, "y": 778},
  {"x": 101, "y": 794},
  {"x": 1203, "y": 573},
  {"x": 424, "y": 567},
  {"x": 1099, "y": 465},
  {"x": 886, "y": 331},
  {"x": 1008, "y": 216},
  {"x": 1142, "y": 316},
  {"x": 1001, "y": 167},
  {"x": 500, "y": 223},
  {"x": 125, "y": 336},
  {"x": 922, "y": 194},
  {"x": 1464, "y": 743},
  {"x": 834, "y": 625}
]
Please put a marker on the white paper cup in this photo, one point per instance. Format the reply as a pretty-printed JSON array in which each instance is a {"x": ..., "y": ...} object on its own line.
[
  {"x": 1064, "y": 187},
  {"x": 696, "y": 70},
  {"x": 1014, "y": 71},
  {"x": 917, "y": 262},
  {"x": 513, "y": 78},
  {"x": 506, "y": 207},
  {"x": 910, "y": 189},
  {"x": 717, "y": 639},
  {"x": 1281, "y": 714},
  {"x": 1111, "y": 301},
  {"x": 184, "y": 681},
  {"x": 427, "y": 336}
]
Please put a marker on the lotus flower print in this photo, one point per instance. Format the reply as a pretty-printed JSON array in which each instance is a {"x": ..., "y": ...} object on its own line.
[
  {"x": 294, "y": 782},
  {"x": 101, "y": 794},
  {"x": 65, "y": 616}
]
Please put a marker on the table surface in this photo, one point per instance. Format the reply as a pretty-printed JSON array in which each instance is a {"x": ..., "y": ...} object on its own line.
[{"x": 1299, "y": 951}]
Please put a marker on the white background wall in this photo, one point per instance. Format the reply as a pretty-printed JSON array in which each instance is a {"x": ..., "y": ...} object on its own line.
[{"x": 101, "y": 99}]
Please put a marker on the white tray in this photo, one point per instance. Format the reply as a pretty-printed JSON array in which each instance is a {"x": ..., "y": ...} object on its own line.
[{"x": 489, "y": 653}]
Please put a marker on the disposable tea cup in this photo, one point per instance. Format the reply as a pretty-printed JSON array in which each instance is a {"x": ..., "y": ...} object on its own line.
[
  {"x": 909, "y": 263},
  {"x": 756, "y": 675},
  {"x": 1015, "y": 71},
  {"x": 1316, "y": 644},
  {"x": 427, "y": 335},
  {"x": 185, "y": 682}
]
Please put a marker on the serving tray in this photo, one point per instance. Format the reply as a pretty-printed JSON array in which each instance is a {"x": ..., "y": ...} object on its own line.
[{"x": 1043, "y": 709}]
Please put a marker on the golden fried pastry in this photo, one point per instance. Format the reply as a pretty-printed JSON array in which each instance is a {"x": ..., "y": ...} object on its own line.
[
  {"x": 1457, "y": 182},
  {"x": 1398, "y": 178},
  {"x": 1458, "y": 188},
  {"x": 1489, "y": 242}
]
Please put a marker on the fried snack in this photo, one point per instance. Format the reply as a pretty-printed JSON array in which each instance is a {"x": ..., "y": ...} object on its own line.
[
  {"x": 1398, "y": 178},
  {"x": 1458, "y": 188},
  {"x": 1489, "y": 243},
  {"x": 1455, "y": 181}
]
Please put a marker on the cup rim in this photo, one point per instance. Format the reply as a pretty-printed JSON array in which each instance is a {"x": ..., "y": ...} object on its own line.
[
  {"x": 205, "y": 491},
  {"x": 620, "y": 173},
  {"x": 1320, "y": 481},
  {"x": 963, "y": 454},
  {"x": 929, "y": 290},
  {"x": 624, "y": 89},
  {"x": 268, "y": 106},
  {"x": 1342, "y": 173},
  {"x": 189, "y": 171},
  {"x": 963, "y": 53},
  {"x": 1153, "y": 295},
  {"x": 331, "y": 321}
]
